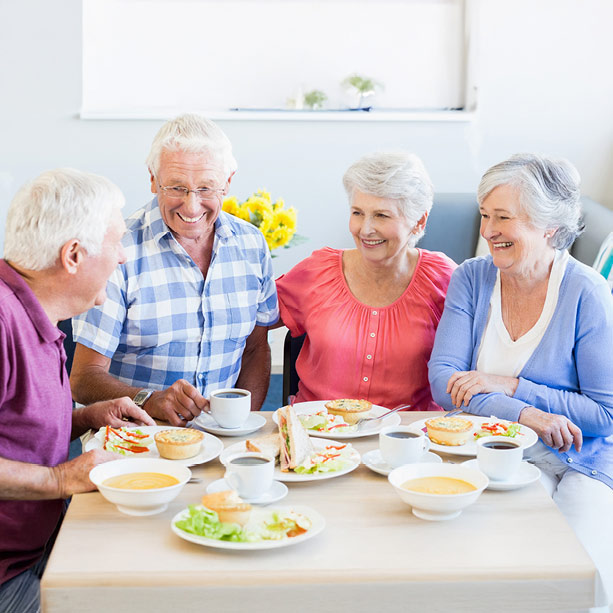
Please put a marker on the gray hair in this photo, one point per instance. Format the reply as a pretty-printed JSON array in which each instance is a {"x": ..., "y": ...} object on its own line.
[
  {"x": 548, "y": 193},
  {"x": 398, "y": 176},
  {"x": 193, "y": 134},
  {"x": 56, "y": 207}
]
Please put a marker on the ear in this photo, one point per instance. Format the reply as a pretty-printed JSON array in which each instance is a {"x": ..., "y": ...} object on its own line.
[
  {"x": 154, "y": 183},
  {"x": 71, "y": 256},
  {"x": 230, "y": 179},
  {"x": 421, "y": 224}
]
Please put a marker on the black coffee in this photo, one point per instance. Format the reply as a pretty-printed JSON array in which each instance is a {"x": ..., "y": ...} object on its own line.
[
  {"x": 402, "y": 434},
  {"x": 500, "y": 445},
  {"x": 230, "y": 395},
  {"x": 249, "y": 461}
]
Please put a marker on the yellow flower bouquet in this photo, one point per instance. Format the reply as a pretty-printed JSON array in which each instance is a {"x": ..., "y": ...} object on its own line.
[{"x": 275, "y": 222}]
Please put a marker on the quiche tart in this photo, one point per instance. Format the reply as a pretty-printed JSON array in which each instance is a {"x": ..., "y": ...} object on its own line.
[
  {"x": 452, "y": 431},
  {"x": 350, "y": 410},
  {"x": 179, "y": 444}
]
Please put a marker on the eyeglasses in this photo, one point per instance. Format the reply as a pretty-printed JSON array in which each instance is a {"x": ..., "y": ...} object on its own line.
[{"x": 181, "y": 193}]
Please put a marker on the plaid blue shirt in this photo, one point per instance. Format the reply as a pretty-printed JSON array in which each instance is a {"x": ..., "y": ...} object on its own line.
[{"x": 162, "y": 321}]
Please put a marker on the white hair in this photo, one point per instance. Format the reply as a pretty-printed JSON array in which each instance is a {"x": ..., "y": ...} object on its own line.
[
  {"x": 398, "y": 176},
  {"x": 193, "y": 134},
  {"x": 548, "y": 193},
  {"x": 56, "y": 207}
]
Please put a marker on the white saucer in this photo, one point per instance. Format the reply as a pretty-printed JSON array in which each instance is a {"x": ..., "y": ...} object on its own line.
[
  {"x": 254, "y": 422},
  {"x": 527, "y": 473},
  {"x": 276, "y": 492},
  {"x": 376, "y": 463}
]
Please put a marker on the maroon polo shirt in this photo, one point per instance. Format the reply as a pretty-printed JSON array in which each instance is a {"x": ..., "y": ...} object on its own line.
[{"x": 35, "y": 415}]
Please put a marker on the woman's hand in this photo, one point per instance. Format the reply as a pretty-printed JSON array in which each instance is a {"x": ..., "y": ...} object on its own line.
[
  {"x": 465, "y": 384},
  {"x": 556, "y": 431}
]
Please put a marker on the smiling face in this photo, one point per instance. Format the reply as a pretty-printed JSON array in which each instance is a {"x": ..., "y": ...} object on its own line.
[
  {"x": 516, "y": 245},
  {"x": 380, "y": 230},
  {"x": 189, "y": 217}
]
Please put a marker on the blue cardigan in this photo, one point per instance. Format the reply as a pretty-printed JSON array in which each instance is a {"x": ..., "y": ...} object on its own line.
[{"x": 570, "y": 372}]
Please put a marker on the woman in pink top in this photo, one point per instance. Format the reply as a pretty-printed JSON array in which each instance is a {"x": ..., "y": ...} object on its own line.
[{"x": 370, "y": 313}]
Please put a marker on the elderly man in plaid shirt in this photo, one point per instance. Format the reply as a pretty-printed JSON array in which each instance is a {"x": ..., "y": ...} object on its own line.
[{"x": 187, "y": 313}]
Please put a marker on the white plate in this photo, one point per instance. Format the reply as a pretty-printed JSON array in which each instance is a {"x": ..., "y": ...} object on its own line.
[
  {"x": 376, "y": 463},
  {"x": 276, "y": 492},
  {"x": 291, "y": 476},
  {"x": 527, "y": 437},
  {"x": 254, "y": 422},
  {"x": 369, "y": 429},
  {"x": 318, "y": 524},
  {"x": 527, "y": 473},
  {"x": 211, "y": 446}
]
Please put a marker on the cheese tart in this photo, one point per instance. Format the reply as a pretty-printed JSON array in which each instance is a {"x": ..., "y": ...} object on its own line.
[
  {"x": 452, "y": 431},
  {"x": 179, "y": 444},
  {"x": 229, "y": 506},
  {"x": 350, "y": 410}
]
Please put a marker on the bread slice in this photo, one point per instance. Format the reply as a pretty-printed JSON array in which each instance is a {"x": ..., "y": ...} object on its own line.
[
  {"x": 295, "y": 444},
  {"x": 179, "y": 443},
  {"x": 349, "y": 409},
  {"x": 268, "y": 445},
  {"x": 451, "y": 431},
  {"x": 229, "y": 507}
]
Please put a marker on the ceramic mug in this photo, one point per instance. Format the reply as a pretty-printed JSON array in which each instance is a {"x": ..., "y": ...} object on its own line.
[
  {"x": 250, "y": 474},
  {"x": 401, "y": 445},
  {"x": 230, "y": 407},
  {"x": 499, "y": 457}
]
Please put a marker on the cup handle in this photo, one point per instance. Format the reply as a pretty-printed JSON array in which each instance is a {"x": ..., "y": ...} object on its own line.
[
  {"x": 232, "y": 480},
  {"x": 427, "y": 444}
]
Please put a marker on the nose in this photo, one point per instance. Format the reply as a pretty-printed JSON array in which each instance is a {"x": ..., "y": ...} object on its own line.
[
  {"x": 367, "y": 225},
  {"x": 488, "y": 228}
]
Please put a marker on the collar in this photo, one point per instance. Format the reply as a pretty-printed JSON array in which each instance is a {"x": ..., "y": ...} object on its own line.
[{"x": 46, "y": 330}]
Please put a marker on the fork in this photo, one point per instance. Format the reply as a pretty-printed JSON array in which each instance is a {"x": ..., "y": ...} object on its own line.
[{"x": 365, "y": 419}]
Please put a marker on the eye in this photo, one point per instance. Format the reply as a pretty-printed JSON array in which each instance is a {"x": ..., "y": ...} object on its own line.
[
  {"x": 484, "y": 216},
  {"x": 382, "y": 215},
  {"x": 178, "y": 191},
  {"x": 205, "y": 190},
  {"x": 355, "y": 212}
]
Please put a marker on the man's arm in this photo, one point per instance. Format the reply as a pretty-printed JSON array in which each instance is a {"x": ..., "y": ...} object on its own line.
[
  {"x": 90, "y": 382},
  {"x": 255, "y": 367},
  {"x": 23, "y": 481}
]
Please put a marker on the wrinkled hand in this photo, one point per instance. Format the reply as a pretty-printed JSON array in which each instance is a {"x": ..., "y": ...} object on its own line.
[
  {"x": 73, "y": 477},
  {"x": 465, "y": 384},
  {"x": 556, "y": 431},
  {"x": 117, "y": 413},
  {"x": 177, "y": 404}
]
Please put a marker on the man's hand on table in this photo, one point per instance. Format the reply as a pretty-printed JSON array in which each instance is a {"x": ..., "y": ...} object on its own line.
[
  {"x": 117, "y": 413},
  {"x": 177, "y": 404},
  {"x": 556, "y": 431}
]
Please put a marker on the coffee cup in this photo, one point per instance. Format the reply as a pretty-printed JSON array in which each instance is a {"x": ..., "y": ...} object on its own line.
[
  {"x": 230, "y": 407},
  {"x": 401, "y": 445},
  {"x": 499, "y": 457},
  {"x": 250, "y": 474}
]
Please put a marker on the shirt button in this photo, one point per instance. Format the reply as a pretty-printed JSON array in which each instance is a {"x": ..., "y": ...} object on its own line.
[
  {"x": 594, "y": 472},
  {"x": 372, "y": 334},
  {"x": 365, "y": 378},
  {"x": 374, "y": 313},
  {"x": 369, "y": 357},
  {"x": 569, "y": 460}
]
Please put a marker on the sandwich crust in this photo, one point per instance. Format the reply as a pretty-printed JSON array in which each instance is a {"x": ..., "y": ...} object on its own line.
[
  {"x": 349, "y": 409},
  {"x": 179, "y": 444},
  {"x": 451, "y": 431}
]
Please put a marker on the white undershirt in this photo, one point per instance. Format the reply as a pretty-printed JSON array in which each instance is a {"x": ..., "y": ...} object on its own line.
[{"x": 499, "y": 354}]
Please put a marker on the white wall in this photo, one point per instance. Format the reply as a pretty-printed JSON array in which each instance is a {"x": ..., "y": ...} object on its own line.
[{"x": 545, "y": 81}]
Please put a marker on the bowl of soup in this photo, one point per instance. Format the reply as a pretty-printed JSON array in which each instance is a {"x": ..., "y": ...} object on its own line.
[
  {"x": 140, "y": 486},
  {"x": 438, "y": 491}
]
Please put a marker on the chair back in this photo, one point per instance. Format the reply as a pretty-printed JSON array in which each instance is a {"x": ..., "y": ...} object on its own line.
[
  {"x": 291, "y": 349},
  {"x": 69, "y": 345}
]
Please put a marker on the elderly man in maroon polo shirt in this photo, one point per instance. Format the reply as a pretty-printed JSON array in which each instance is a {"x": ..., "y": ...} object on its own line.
[{"x": 62, "y": 242}]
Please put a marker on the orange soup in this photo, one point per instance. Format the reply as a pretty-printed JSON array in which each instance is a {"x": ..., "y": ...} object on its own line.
[
  {"x": 140, "y": 481},
  {"x": 438, "y": 485}
]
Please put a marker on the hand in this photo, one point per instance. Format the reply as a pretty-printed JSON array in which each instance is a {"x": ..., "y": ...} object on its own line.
[
  {"x": 73, "y": 477},
  {"x": 177, "y": 404},
  {"x": 117, "y": 413},
  {"x": 465, "y": 384},
  {"x": 556, "y": 431}
]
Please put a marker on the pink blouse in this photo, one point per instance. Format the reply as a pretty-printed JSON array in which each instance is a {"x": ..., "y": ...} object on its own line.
[{"x": 355, "y": 351}]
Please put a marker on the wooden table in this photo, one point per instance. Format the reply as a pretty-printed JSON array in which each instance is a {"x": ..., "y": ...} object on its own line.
[{"x": 510, "y": 551}]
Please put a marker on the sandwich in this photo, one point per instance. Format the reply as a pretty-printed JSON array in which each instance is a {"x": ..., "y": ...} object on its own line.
[
  {"x": 295, "y": 444},
  {"x": 268, "y": 445}
]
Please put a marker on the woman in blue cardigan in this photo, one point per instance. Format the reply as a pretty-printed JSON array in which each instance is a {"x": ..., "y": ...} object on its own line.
[{"x": 527, "y": 335}]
